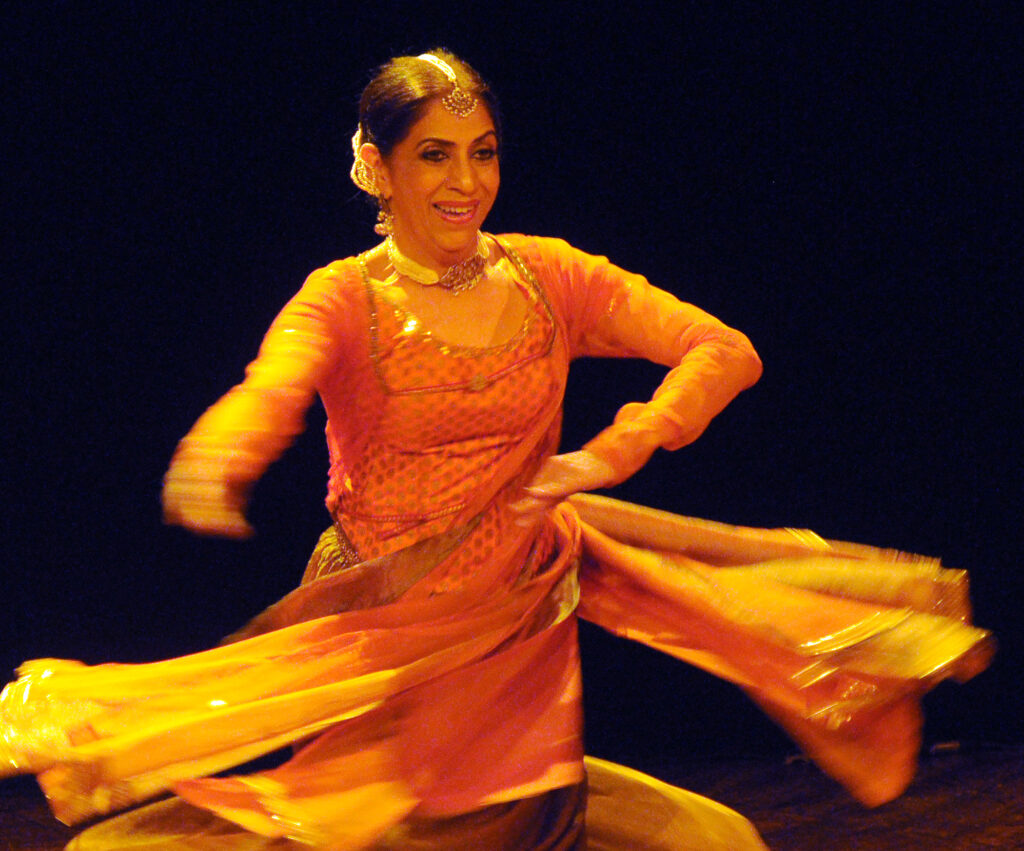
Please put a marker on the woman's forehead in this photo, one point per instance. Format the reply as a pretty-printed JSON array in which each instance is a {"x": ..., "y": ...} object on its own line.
[{"x": 438, "y": 123}]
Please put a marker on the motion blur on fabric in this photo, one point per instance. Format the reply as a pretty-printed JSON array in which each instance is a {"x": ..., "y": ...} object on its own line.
[{"x": 426, "y": 670}]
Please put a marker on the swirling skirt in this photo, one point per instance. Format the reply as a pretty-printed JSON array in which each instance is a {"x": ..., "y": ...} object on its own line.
[
  {"x": 440, "y": 719},
  {"x": 624, "y": 811}
]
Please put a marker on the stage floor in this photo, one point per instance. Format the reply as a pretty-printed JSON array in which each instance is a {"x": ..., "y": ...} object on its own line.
[{"x": 965, "y": 797}]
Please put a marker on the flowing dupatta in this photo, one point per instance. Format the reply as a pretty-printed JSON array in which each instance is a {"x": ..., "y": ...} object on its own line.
[
  {"x": 374, "y": 687},
  {"x": 835, "y": 641},
  {"x": 352, "y": 660}
]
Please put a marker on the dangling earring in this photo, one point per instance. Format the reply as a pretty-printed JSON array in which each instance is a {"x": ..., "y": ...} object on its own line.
[
  {"x": 385, "y": 220},
  {"x": 366, "y": 178}
]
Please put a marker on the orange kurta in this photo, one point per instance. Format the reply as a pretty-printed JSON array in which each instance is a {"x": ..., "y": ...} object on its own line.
[{"x": 439, "y": 674}]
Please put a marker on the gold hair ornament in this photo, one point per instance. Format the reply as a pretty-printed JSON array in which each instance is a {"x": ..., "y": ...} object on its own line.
[
  {"x": 458, "y": 101},
  {"x": 364, "y": 176}
]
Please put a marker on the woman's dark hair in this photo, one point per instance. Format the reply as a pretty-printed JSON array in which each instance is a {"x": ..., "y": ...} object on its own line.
[{"x": 401, "y": 89}]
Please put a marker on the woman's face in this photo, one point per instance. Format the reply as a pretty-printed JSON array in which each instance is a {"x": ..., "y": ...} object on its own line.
[{"x": 441, "y": 181}]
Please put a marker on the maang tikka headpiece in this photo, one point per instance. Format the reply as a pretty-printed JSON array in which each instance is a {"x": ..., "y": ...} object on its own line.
[{"x": 458, "y": 101}]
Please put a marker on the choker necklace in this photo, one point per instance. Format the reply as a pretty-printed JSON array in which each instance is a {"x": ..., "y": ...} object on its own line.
[{"x": 458, "y": 278}]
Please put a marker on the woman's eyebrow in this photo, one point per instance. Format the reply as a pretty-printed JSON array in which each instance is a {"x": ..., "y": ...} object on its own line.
[{"x": 448, "y": 143}]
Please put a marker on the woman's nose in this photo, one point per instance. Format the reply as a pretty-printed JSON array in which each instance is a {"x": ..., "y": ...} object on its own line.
[{"x": 462, "y": 175}]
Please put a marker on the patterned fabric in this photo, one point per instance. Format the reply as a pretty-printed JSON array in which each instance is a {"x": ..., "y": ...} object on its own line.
[
  {"x": 450, "y": 414},
  {"x": 439, "y": 676}
]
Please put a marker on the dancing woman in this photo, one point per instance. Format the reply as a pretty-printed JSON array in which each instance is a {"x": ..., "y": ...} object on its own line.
[{"x": 426, "y": 670}]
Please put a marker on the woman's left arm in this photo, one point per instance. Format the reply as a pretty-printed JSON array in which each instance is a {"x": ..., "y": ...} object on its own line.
[
  {"x": 710, "y": 362},
  {"x": 612, "y": 313}
]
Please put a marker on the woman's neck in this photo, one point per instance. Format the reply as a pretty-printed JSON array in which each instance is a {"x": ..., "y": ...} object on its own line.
[
  {"x": 456, "y": 278},
  {"x": 432, "y": 265}
]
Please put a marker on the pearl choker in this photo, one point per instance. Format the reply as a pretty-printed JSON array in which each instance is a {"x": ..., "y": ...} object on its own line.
[{"x": 459, "y": 278}]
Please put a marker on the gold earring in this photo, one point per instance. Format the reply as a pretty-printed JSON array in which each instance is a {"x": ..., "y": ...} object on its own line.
[{"x": 385, "y": 220}]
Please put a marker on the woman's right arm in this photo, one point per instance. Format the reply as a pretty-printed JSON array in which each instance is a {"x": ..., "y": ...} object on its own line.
[{"x": 231, "y": 445}]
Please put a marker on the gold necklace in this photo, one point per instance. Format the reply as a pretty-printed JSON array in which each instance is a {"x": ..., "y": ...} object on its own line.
[{"x": 458, "y": 278}]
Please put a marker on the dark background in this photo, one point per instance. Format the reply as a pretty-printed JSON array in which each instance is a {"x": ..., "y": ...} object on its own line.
[{"x": 835, "y": 183}]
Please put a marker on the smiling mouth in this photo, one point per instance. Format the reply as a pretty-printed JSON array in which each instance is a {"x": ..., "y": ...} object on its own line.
[{"x": 459, "y": 214}]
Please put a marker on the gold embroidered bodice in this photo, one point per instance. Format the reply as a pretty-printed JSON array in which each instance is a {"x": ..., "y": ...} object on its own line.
[{"x": 450, "y": 415}]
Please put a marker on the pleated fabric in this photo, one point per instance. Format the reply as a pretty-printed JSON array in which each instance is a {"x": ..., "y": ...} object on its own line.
[{"x": 427, "y": 672}]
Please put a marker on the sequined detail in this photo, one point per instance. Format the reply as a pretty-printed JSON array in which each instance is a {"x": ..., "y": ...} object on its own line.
[
  {"x": 411, "y": 328},
  {"x": 451, "y": 413},
  {"x": 333, "y": 552}
]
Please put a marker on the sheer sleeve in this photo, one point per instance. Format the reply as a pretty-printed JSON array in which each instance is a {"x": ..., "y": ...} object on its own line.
[
  {"x": 236, "y": 439},
  {"x": 612, "y": 313}
]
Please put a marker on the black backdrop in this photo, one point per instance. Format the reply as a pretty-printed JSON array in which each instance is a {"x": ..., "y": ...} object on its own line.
[{"x": 836, "y": 184}]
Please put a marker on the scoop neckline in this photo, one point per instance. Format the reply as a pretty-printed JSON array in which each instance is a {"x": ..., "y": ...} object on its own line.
[{"x": 526, "y": 284}]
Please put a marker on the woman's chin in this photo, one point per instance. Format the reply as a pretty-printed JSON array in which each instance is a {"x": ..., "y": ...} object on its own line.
[
  {"x": 443, "y": 245},
  {"x": 459, "y": 246}
]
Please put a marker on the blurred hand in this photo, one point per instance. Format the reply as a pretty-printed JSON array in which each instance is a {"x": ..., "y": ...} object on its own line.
[
  {"x": 203, "y": 504},
  {"x": 561, "y": 476}
]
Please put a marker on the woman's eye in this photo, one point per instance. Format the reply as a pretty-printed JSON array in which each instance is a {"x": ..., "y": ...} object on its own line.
[
  {"x": 434, "y": 155},
  {"x": 486, "y": 154}
]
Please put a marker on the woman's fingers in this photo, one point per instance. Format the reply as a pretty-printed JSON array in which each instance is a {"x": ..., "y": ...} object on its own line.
[
  {"x": 563, "y": 475},
  {"x": 204, "y": 507},
  {"x": 207, "y": 519},
  {"x": 531, "y": 509},
  {"x": 559, "y": 477}
]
